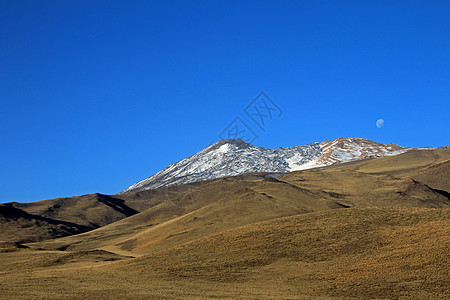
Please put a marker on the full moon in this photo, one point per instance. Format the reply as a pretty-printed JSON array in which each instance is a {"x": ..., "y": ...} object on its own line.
[{"x": 380, "y": 123}]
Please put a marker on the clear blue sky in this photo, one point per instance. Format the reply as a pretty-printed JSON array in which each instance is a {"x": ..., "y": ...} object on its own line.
[{"x": 97, "y": 95}]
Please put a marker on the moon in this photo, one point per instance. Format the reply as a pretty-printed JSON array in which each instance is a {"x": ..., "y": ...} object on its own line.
[{"x": 380, "y": 123}]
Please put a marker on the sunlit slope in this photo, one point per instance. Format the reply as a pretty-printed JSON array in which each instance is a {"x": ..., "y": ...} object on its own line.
[
  {"x": 401, "y": 165},
  {"x": 366, "y": 252},
  {"x": 196, "y": 212}
]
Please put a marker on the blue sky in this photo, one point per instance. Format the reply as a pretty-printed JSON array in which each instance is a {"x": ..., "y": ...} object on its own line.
[{"x": 97, "y": 95}]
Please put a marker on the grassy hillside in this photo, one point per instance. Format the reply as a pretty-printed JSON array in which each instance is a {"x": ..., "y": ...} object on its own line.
[
  {"x": 346, "y": 253},
  {"x": 88, "y": 212}
]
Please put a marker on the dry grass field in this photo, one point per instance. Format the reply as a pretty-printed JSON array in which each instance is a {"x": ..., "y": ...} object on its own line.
[{"x": 373, "y": 229}]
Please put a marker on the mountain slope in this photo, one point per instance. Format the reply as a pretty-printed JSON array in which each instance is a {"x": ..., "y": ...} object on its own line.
[{"x": 202, "y": 209}]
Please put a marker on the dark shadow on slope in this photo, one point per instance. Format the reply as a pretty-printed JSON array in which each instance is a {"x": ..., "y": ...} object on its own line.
[
  {"x": 117, "y": 205},
  {"x": 271, "y": 179},
  {"x": 441, "y": 192},
  {"x": 342, "y": 205}
]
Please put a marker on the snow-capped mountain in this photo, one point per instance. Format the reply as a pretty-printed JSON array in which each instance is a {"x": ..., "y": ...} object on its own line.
[
  {"x": 234, "y": 157},
  {"x": 229, "y": 158}
]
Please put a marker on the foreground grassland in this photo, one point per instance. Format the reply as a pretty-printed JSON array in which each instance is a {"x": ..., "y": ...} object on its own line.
[{"x": 346, "y": 253}]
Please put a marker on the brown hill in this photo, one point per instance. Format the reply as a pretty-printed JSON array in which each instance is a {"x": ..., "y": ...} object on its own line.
[
  {"x": 85, "y": 213},
  {"x": 19, "y": 226}
]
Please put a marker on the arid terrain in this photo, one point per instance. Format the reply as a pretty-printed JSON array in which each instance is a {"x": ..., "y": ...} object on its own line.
[{"x": 371, "y": 229}]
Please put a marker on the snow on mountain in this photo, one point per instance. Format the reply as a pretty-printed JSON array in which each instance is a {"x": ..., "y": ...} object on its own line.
[
  {"x": 350, "y": 149},
  {"x": 234, "y": 157},
  {"x": 229, "y": 158}
]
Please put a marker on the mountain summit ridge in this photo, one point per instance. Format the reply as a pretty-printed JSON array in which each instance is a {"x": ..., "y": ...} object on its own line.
[{"x": 231, "y": 157}]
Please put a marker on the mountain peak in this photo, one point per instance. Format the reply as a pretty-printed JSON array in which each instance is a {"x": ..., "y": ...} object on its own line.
[
  {"x": 234, "y": 142},
  {"x": 394, "y": 146}
]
